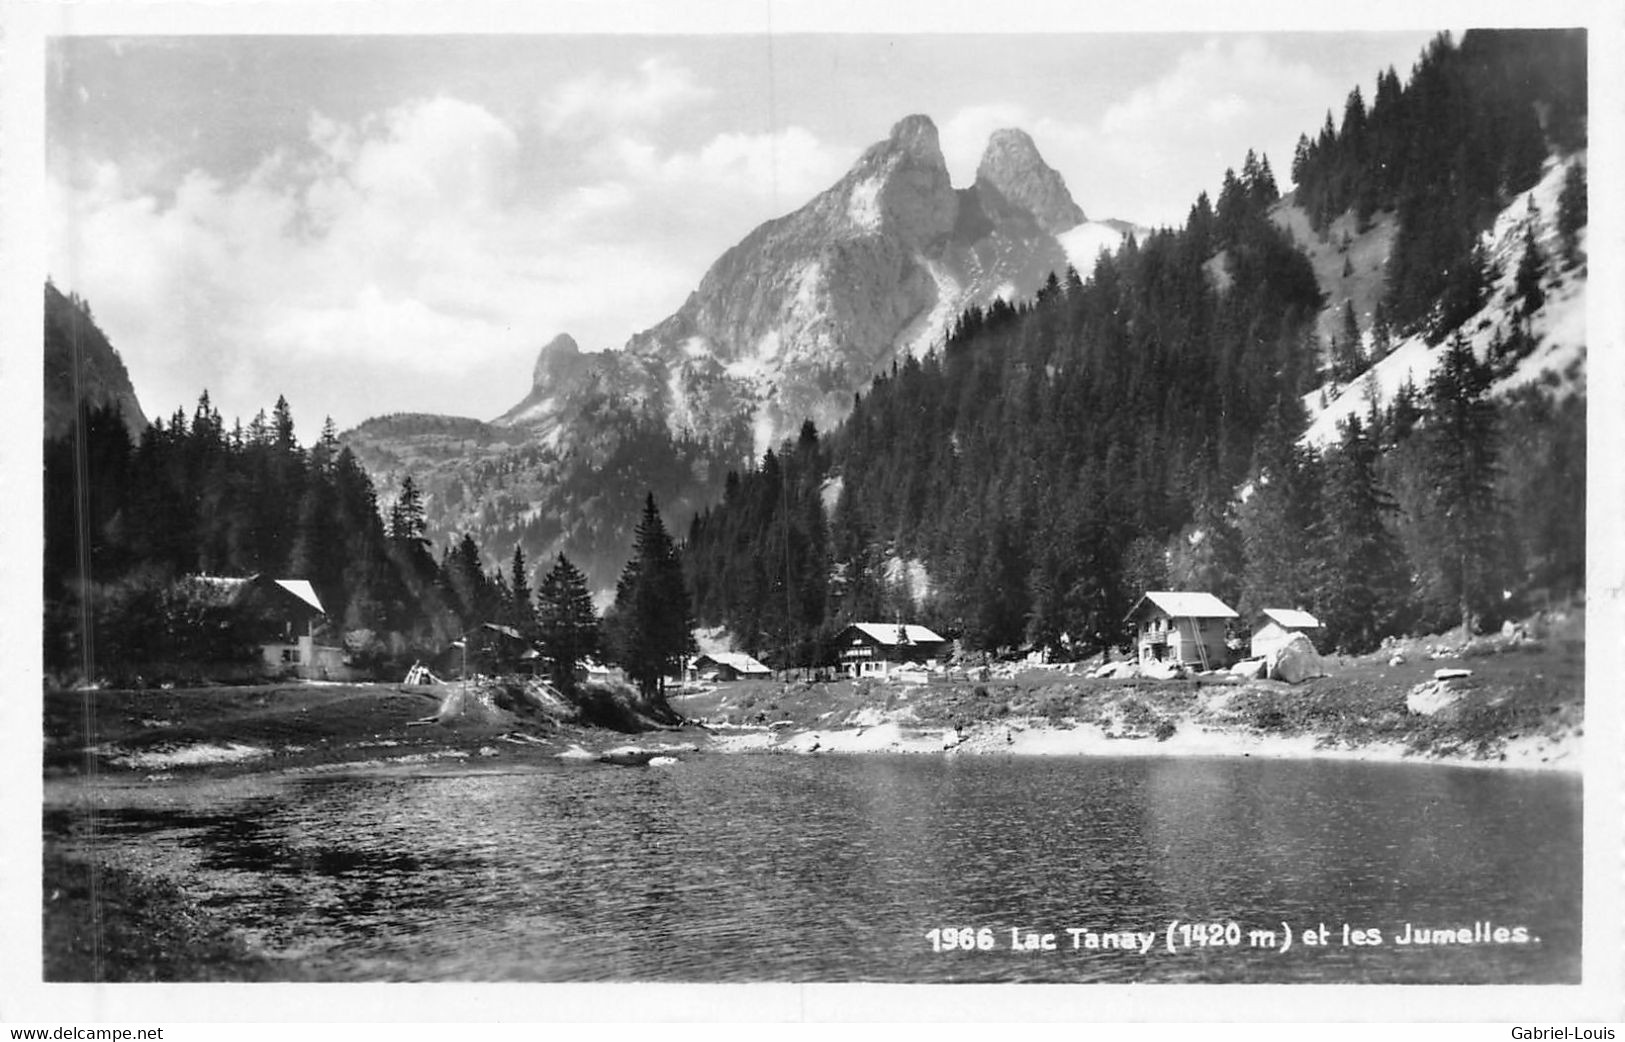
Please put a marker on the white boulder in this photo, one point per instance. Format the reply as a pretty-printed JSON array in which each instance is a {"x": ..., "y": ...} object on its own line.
[
  {"x": 1435, "y": 696},
  {"x": 1294, "y": 661},
  {"x": 1161, "y": 670},
  {"x": 1249, "y": 668}
]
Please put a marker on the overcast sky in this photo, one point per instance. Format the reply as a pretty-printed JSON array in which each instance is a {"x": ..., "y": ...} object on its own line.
[{"x": 385, "y": 224}]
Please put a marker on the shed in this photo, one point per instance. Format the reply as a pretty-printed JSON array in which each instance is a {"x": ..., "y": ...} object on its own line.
[
  {"x": 731, "y": 665},
  {"x": 490, "y": 647},
  {"x": 1183, "y": 626},
  {"x": 871, "y": 649},
  {"x": 1275, "y": 626}
]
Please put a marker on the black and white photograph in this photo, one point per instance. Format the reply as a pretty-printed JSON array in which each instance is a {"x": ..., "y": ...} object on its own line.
[{"x": 559, "y": 499}]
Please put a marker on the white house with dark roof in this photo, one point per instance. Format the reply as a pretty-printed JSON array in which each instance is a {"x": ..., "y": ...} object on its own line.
[
  {"x": 871, "y": 649},
  {"x": 1183, "y": 626},
  {"x": 1276, "y": 626},
  {"x": 281, "y": 617}
]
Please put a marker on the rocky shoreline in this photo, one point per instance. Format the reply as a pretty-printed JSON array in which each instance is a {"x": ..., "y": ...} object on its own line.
[{"x": 1039, "y": 738}]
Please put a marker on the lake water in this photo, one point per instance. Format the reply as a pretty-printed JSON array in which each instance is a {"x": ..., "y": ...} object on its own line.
[{"x": 785, "y": 868}]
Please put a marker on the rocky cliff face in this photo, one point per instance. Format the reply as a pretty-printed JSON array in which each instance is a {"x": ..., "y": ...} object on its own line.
[
  {"x": 1012, "y": 167},
  {"x": 785, "y": 326}
]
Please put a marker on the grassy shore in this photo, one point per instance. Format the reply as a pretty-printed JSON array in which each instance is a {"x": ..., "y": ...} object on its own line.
[{"x": 1523, "y": 705}]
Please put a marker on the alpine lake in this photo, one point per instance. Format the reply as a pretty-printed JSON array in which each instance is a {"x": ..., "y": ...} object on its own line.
[{"x": 886, "y": 868}]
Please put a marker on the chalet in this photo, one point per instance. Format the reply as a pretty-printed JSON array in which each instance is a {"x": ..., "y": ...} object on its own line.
[
  {"x": 730, "y": 665},
  {"x": 872, "y": 649},
  {"x": 1186, "y": 627},
  {"x": 281, "y": 617},
  {"x": 1276, "y": 626}
]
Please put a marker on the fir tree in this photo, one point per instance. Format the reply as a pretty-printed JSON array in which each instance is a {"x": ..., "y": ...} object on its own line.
[
  {"x": 1460, "y": 463},
  {"x": 566, "y": 622},
  {"x": 1531, "y": 269},
  {"x": 521, "y": 605},
  {"x": 1572, "y": 209},
  {"x": 651, "y": 625},
  {"x": 1274, "y": 520},
  {"x": 1360, "y": 566},
  {"x": 406, "y": 520}
]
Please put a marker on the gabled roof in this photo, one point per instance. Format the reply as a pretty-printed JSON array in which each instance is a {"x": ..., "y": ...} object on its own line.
[
  {"x": 1291, "y": 618},
  {"x": 886, "y": 633},
  {"x": 1184, "y": 604},
  {"x": 302, "y": 589},
  {"x": 235, "y": 588},
  {"x": 506, "y": 631},
  {"x": 737, "y": 661}
]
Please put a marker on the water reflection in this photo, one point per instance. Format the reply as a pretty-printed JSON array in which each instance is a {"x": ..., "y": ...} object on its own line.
[{"x": 792, "y": 868}]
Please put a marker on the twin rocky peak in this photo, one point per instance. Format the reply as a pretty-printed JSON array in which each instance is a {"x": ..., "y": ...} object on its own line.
[{"x": 804, "y": 310}]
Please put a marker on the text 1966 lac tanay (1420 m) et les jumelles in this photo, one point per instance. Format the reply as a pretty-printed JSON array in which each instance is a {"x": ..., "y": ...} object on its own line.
[{"x": 1178, "y": 936}]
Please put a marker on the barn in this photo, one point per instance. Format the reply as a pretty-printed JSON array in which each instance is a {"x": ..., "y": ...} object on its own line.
[{"x": 1183, "y": 626}]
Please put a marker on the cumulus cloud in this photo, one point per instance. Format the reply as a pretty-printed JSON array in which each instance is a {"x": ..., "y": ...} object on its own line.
[
  {"x": 588, "y": 103},
  {"x": 392, "y": 243},
  {"x": 733, "y": 176},
  {"x": 1145, "y": 156},
  {"x": 397, "y": 245},
  {"x": 1226, "y": 90}
]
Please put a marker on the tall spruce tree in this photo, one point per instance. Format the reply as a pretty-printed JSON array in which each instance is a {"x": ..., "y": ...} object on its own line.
[
  {"x": 567, "y": 624},
  {"x": 1531, "y": 269},
  {"x": 521, "y": 605},
  {"x": 1275, "y": 518},
  {"x": 1460, "y": 427},
  {"x": 1572, "y": 207},
  {"x": 651, "y": 626},
  {"x": 1360, "y": 566}
]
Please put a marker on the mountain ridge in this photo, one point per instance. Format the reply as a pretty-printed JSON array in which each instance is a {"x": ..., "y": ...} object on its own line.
[{"x": 787, "y": 325}]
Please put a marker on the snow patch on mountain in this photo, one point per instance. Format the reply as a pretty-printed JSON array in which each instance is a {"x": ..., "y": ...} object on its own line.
[
  {"x": 829, "y": 493},
  {"x": 928, "y": 331},
  {"x": 761, "y": 429},
  {"x": 908, "y": 575},
  {"x": 863, "y": 204},
  {"x": 807, "y": 279},
  {"x": 1084, "y": 243}
]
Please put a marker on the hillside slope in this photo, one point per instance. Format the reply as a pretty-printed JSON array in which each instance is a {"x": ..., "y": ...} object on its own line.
[
  {"x": 81, "y": 365},
  {"x": 1554, "y": 357}
]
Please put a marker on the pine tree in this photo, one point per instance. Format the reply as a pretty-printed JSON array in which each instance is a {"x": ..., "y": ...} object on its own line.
[
  {"x": 1572, "y": 209},
  {"x": 521, "y": 605},
  {"x": 567, "y": 624},
  {"x": 1460, "y": 426},
  {"x": 406, "y": 519},
  {"x": 651, "y": 625},
  {"x": 1381, "y": 334},
  {"x": 1275, "y": 518},
  {"x": 1360, "y": 566},
  {"x": 463, "y": 575},
  {"x": 1531, "y": 269}
]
